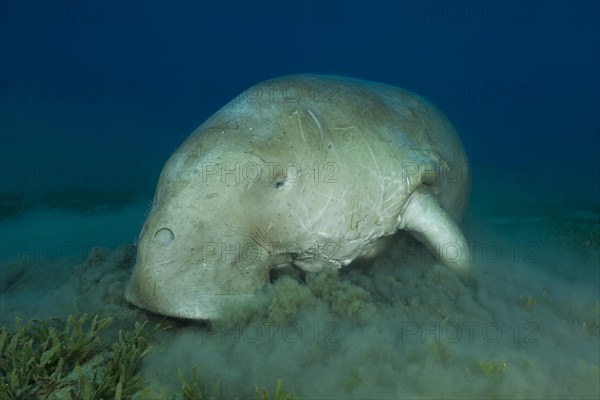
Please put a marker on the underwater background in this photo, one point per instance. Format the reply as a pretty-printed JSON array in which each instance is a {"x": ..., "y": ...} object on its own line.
[{"x": 95, "y": 96}]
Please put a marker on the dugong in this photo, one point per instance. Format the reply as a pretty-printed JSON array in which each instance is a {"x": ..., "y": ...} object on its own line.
[{"x": 307, "y": 171}]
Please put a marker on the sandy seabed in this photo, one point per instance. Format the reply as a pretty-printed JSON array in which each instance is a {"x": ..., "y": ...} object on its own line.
[{"x": 402, "y": 326}]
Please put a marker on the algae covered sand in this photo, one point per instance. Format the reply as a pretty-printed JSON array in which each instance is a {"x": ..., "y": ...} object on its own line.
[{"x": 401, "y": 326}]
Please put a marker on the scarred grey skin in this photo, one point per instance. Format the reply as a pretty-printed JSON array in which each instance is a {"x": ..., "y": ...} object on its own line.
[{"x": 302, "y": 170}]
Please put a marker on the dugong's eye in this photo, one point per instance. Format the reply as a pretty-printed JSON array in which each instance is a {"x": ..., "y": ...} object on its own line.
[{"x": 164, "y": 235}]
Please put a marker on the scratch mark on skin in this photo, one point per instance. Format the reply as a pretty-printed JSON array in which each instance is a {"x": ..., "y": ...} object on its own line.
[
  {"x": 297, "y": 112},
  {"x": 344, "y": 128},
  {"x": 379, "y": 173},
  {"x": 314, "y": 117},
  {"x": 367, "y": 108},
  {"x": 255, "y": 155}
]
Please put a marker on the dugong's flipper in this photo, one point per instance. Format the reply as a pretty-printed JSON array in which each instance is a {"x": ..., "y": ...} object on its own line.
[{"x": 426, "y": 220}]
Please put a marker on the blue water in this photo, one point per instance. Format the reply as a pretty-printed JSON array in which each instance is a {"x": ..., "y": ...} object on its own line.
[
  {"x": 128, "y": 81},
  {"x": 95, "y": 96}
]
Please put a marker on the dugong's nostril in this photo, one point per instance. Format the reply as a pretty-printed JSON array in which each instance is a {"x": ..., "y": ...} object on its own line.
[{"x": 164, "y": 235}]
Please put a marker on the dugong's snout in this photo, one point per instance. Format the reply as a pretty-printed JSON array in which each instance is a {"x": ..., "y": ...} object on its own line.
[
  {"x": 169, "y": 278},
  {"x": 198, "y": 306}
]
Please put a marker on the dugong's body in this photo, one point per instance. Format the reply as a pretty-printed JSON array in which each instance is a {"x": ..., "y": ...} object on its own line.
[{"x": 302, "y": 170}]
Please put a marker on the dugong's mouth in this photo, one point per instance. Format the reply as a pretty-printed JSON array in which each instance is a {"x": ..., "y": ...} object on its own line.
[{"x": 197, "y": 306}]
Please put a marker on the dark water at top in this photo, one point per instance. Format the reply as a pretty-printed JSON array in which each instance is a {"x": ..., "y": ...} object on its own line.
[{"x": 99, "y": 94}]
